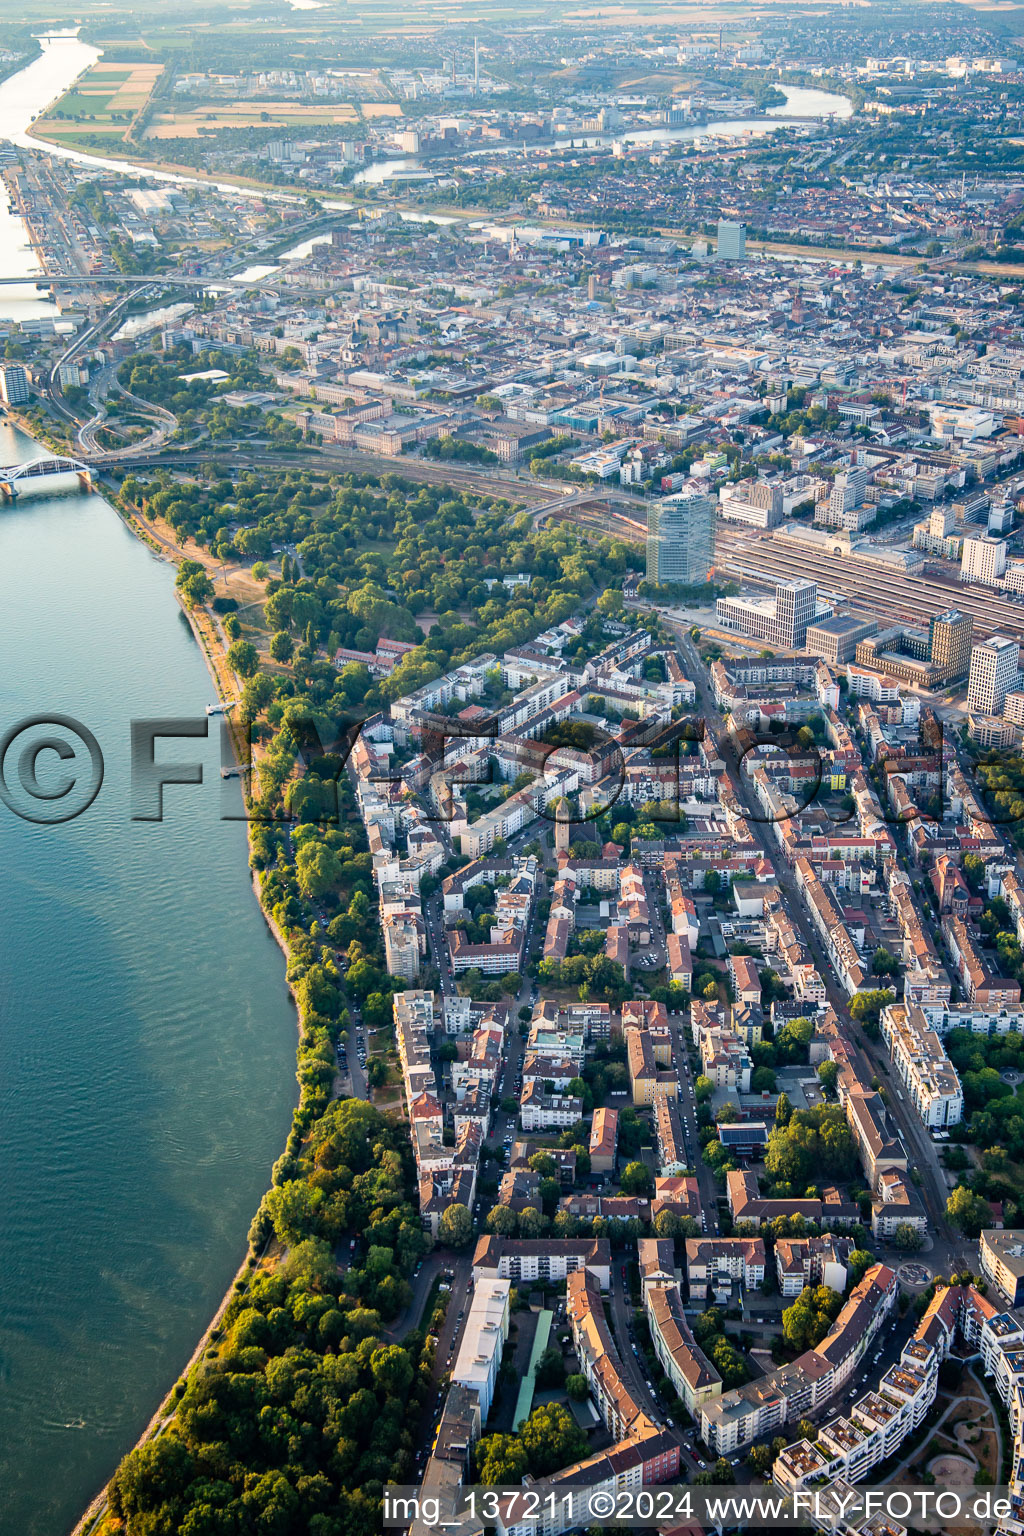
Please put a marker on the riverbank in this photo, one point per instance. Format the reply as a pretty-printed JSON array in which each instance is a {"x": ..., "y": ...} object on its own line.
[
  {"x": 214, "y": 650},
  {"x": 155, "y": 1088},
  {"x": 129, "y": 156}
]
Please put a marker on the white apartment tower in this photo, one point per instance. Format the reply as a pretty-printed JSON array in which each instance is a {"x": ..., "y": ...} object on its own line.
[
  {"x": 13, "y": 384},
  {"x": 994, "y": 666}
]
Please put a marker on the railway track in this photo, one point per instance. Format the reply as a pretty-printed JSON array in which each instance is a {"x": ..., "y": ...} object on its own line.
[{"x": 889, "y": 597}]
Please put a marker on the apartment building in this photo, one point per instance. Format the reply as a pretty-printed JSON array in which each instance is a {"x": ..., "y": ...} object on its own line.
[
  {"x": 680, "y": 960},
  {"x": 880, "y": 1149},
  {"x": 604, "y": 1137},
  {"x": 405, "y": 943},
  {"x": 479, "y": 1358},
  {"x": 746, "y": 979},
  {"x": 506, "y": 819},
  {"x": 678, "y": 1193},
  {"x": 671, "y": 1142},
  {"x": 1002, "y": 1263},
  {"x": 827, "y": 917},
  {"x": 442, "y": 1187},
  {"x": 413, "y": 1013},
  {"x": 802, "y": 1261},
  {"x": 564, "y": 1500},
  {"x": 503, "y": 954},
  {"x": 746, "y": 1204},
  {"x": 849, "y": 1447},
  {"x": 926, "y": 1071},
  {"x": 983, "y": 989},
  {"x": 724, "y": 1057},
  {"x": 720, "y": 1264},
  {"x": 694, "y": 1379},
  {"x": 896, "y": 1204},
  {"x": 540, "y": 1111},
  {"x": 549, "y": 1258},
  {"x": 656, "y": 1256},
  {"x": 598, "y": 1354},
  {"x": 648, "y": 1081},
  {"x": 761, "y": 1408}
]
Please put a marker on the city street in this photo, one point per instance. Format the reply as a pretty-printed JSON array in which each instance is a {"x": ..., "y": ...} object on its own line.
[
  {"x": 707, "y": 1184},
  {"x": 924, "y": 1155},
  {"x": 621, "y": 1310}
]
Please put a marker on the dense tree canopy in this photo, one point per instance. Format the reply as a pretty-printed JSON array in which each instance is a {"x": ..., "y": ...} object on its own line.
[
  {"x": 815, "y": 1144},
  {"x": 305, "y": 1412}
]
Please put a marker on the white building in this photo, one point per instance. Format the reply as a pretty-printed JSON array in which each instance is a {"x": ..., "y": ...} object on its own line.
[
  {"x": 781, "y": 621},
  {"x": 14, "y": 381},
  {"x": 731, "y": 244},
  {"x": 983, "y": 560},
  {"x": 995, "y": 663},
  {"x": 921, "y": 1061},
  {"x": 479, "y": 1358}
]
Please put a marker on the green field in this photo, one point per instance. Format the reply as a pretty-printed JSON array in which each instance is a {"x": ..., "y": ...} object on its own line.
[{"x": 107, "y": 95}]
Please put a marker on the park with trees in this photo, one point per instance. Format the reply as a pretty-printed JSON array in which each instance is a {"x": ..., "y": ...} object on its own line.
[{"x": 303, "y": 1410}]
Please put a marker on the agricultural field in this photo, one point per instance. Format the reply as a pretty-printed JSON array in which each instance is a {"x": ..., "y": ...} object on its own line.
[
  {"x": 193, "y": 122},
  {"x": 105, "y": 100},
  {"x": 211, "y": 117}
]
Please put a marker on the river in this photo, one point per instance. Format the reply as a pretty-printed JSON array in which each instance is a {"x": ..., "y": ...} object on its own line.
[
  {"x": 146, "y": 1037},
  {"x": 801, "y": 103}
]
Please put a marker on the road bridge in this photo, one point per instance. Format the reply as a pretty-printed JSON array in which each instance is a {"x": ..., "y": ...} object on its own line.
[
  {"x": 115, "y": 279},
  {"x": 14, "y": 478}
]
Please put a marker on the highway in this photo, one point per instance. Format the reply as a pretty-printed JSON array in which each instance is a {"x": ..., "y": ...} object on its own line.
[
  {"x": 222, "y": 277},
  {"x": 117, "y": 280},
  {"x": 81, "y": 342},
  {"x": 101, "y": 387}
]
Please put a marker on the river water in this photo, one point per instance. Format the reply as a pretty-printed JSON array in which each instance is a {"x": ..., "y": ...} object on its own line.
[
  {"x": 801, "y": 103},
  {"x": 146, "y": 1037}
]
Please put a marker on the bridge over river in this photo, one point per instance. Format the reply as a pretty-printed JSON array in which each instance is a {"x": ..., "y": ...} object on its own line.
[{"x": 14, "y": 478}]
